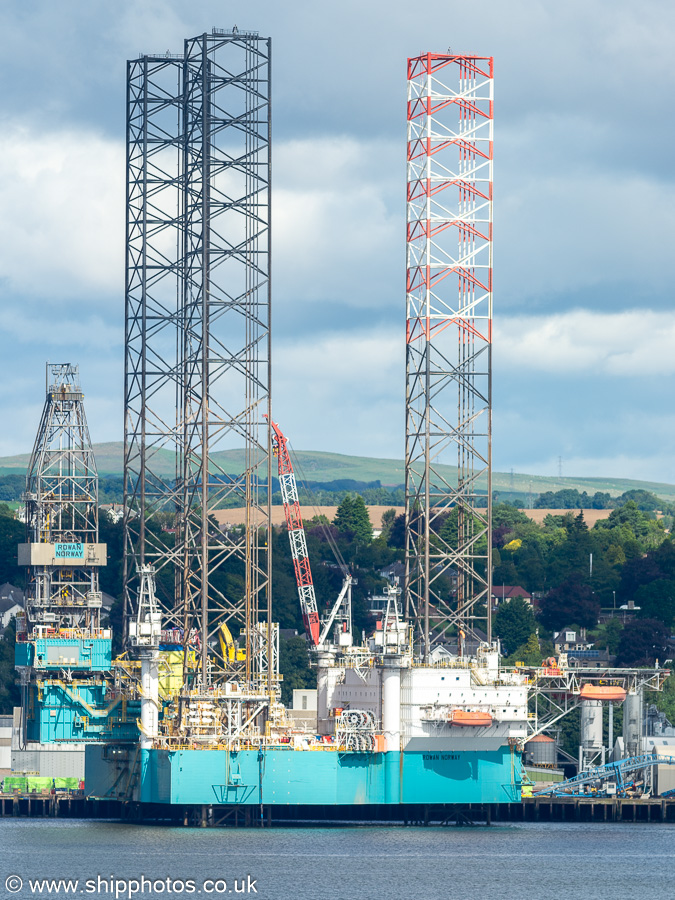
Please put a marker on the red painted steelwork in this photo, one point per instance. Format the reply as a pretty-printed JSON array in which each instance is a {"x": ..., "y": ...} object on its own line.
[{"x": 296, "y": 536}]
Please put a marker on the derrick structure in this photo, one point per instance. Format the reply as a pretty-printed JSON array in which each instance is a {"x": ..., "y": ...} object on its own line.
[
  {"x": 198, "y": 343},
  {"x": 62, "y": 549},
  {"x": 61, "y": 651},
  {"x": 448, "y": 355}
]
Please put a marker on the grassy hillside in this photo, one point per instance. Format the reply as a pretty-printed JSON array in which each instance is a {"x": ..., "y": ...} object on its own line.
[{"x": 320, "y": 466}]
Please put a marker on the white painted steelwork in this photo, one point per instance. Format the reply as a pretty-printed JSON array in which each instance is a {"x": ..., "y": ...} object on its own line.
[{"x": 448, "y": 357}]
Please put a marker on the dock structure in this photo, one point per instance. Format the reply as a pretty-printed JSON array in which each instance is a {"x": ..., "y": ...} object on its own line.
[
  {"x": 534, "y": 809},
  {"x": 600, "y": 809}
]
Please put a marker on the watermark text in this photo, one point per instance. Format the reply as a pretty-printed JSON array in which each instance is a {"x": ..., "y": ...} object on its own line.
[{"x": 130, "y": 887}]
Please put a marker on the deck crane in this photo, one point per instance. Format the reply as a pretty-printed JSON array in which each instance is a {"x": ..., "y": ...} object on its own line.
[
  {"x": 296, "y": 535},
  {"x": 340, "y": 614}
]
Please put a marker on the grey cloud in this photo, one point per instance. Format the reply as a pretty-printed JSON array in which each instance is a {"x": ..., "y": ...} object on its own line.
[{"x": 582, "y": 211}]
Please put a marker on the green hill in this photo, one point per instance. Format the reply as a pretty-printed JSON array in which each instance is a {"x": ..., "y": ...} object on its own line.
[{"x": 321, "y": 466}]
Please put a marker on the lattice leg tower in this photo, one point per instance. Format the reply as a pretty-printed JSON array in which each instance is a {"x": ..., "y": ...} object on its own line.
[
  {"x": 448, "y": 359},
  {"x": 198, "y": 337}
]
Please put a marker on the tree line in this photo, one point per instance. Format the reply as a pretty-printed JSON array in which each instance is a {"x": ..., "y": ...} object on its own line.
[{"x": 574, "y": 572}]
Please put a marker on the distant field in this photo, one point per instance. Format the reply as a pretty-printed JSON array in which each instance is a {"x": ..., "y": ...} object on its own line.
[
  {"x": 591, "y": 516},
  {"x": 236, "y": 516},
  {"x": 320, "y": 466}
]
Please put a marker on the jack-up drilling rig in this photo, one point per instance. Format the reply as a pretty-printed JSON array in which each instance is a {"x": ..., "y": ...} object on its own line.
[{"x": 63, "y": 652}]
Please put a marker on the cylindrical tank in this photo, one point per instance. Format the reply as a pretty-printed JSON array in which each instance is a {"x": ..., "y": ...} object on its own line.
[
  {"x": 391, "y": 707},
  {"x": 632, "y": 723},
  {"x": 591, "y": 724},
  {"x": 324, "y": 683},
  {"x": 541, "y": 751},
  {"x": 150, "y": 696}
]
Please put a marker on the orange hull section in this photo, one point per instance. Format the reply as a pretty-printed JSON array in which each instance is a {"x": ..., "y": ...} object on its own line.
[
  {"x": 601, "y": 692},
  {"x": 461, "y": 717}
]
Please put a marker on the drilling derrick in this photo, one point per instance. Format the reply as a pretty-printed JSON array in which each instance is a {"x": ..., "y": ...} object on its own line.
[
  {"x": 61, "y": 645},
  {"x": 198, "y": 352},
  {"x": 62, "y": 551},
  {"x": 448, "y": 355}
]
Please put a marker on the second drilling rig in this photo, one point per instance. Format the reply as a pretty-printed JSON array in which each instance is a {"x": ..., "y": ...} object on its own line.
[{"x": 63, "y": 652}]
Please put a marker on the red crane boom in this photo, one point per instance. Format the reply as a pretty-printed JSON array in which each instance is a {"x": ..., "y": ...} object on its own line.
[{"x": 296, "y": 536}]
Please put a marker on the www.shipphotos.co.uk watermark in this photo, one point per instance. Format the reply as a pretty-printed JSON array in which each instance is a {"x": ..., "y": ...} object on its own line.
[{"x": 130, "y": 887}]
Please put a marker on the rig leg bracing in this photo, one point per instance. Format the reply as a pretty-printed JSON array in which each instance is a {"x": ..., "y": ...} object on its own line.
[
  {"x": 198, "y": 363},
  {"x": 448, "y": 355}
]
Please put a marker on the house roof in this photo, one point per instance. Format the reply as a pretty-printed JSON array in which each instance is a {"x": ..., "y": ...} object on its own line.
[
  {"x": 396, "y": 568},
  {"x": 107, "y": 600},
  {"x": 11, "y": 590},
  {"x": 8, "y": 603},
  {"x": 559, "y": 637},
  {"x": 509, "y": 591}
]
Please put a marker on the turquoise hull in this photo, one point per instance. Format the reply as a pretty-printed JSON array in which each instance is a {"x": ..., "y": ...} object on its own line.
[{"x": 326, "y": 777}]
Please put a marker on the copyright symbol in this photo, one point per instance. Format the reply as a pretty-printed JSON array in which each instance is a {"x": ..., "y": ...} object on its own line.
[{"x": 13, "y": 884}]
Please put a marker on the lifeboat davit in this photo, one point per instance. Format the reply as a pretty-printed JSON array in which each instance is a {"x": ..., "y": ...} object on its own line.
[
  {"x": 601, "y": 692},
  {"x": 464, "y": 717}
]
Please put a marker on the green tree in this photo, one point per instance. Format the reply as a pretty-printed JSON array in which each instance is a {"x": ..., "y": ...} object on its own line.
[
  {"x": 572, "y": 602},
  {"x": 609, "y": 636},
  {"x": 294, "y": 666},
  {"x": 570, "y": 732},
  {"x": 449, "y": 531},
  {"x": 396, "y": 537},
  {"x": 514, "y": 623},
  {"x": 568, "y": 498},
  {"x": 571, "y": 556},
  {"x": 110, "y": 575},
  {"x": 509, "y": 515},
  {"x": 531, "y": 653},
  {"x": 388, "y": 517},
  {"x": 505, "y": 572},
  {"x": 665, "y": 699},
  {"x": 532, "y": 646},
  {"x": 286, "y": 603},
  {"x": 657, "y": 600},
  {"x": 352, "y": 518},
  {"x": 632, "y": 522},
  {"x": 9, "y": 681},
  {"x": 643, "y": 641},
  {"x": 12, "y": 532},
  {"x": 644, "y": 500},
  {"x": 664, "y": 556}
]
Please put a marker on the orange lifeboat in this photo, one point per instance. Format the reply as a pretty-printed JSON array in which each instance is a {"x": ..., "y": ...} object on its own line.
[
  {"x": 601, "y": 692},
  {"x": 464, "y": 717}
]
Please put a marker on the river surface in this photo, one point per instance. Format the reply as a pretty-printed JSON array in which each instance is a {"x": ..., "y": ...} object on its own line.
[{"x": 519, "y": 861}]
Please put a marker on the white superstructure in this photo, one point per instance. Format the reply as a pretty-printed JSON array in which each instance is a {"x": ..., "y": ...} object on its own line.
[{"x": 451, "y": 703}]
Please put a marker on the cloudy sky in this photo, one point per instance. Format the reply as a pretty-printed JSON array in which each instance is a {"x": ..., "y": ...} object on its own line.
[{"x": 584, "y": 215}]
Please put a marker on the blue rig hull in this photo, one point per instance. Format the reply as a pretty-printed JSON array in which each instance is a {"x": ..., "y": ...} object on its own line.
[{"x": 280, "y": 777}]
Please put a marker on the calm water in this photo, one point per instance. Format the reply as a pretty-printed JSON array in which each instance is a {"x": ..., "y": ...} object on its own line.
[{"x": 519, "y": 861}]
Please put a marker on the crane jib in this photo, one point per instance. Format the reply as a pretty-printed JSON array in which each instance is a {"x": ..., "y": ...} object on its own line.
[{"x": 296, "y": 536}]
